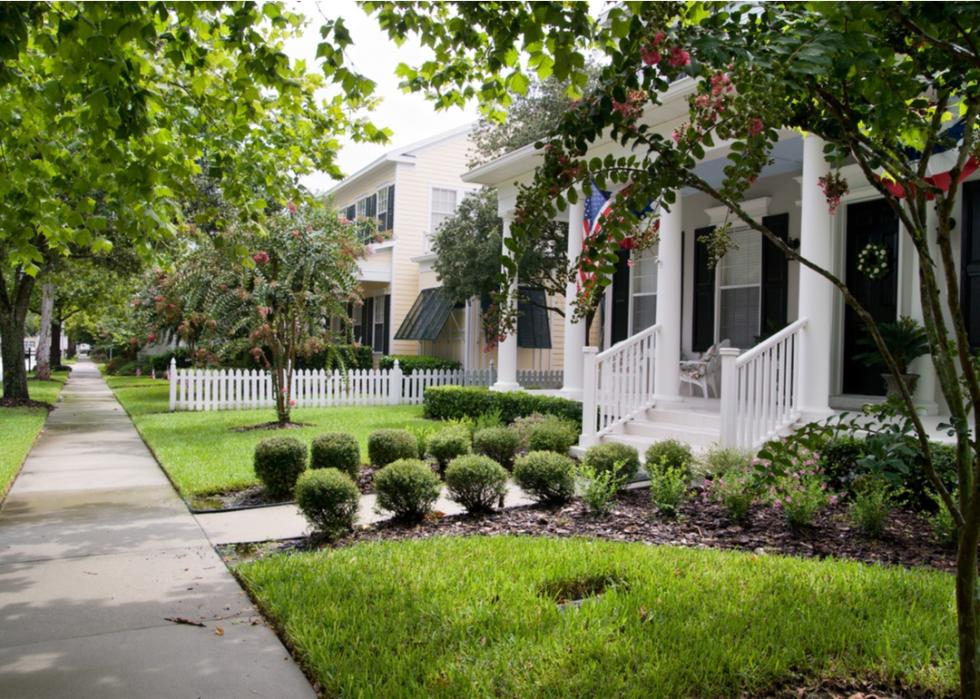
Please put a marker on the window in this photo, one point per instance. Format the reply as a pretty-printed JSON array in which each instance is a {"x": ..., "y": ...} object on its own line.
[
  {"x": 379, "y": 324},
  {"x": 350, "y": 213},
  {"x": 643, "y": 281},
  {"x": 443, "y": 206},
  {"x": 382, "y": 208},
  {"x": 355, "y": 317},
  {"x": 361, "y": 206},
  {"x": 740, "y": 289}
]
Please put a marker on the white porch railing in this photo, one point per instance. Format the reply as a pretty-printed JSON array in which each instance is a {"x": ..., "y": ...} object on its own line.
[
  {"x": 243, "y": 389},
  {"x": 618, "y": 384},
  {"x": 760, "y": 388}
]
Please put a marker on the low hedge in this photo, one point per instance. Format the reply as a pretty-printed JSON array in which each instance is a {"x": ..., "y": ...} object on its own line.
[
  {"x": 278, "y": 463},
  {"x": 387, "y": 445},
  {"x": 546, "y": 476},
  {"x": 476, "y": 482},
  {"x": 407, "y": 488},
  {"x": 456, "y": 402},
  {"x": 409, "y": 363},
  {"x": 328, "y": 498},
  {"x": 336, "y": 450}
]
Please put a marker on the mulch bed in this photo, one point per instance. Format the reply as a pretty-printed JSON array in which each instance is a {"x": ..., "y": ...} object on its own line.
[
  {"x": 906, "y": 541},
  {"x": 272, "y": 426},
  {"x": 25, "y": 403}
]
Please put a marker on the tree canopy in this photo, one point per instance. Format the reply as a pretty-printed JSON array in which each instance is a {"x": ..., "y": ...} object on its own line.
[{"x": 109, "y": 111}]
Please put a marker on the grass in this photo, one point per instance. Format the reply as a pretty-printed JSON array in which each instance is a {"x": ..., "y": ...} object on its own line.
[
  {"x": 476, "y": 616},
  {"x": 202, "y": 452},
  {"x": 19, "y": 427}
]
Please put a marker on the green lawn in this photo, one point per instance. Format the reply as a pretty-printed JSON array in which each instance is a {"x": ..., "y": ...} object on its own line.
[
  {"x": 202, "y": 452},
  {"x": 466, "y": 617},
  {"x": 19, "y": 427}
]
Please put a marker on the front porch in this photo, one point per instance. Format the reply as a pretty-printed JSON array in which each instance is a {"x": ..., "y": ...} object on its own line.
[{"x": 791, "y": 344}]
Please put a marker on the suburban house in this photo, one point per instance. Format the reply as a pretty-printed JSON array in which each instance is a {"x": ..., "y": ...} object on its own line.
[
  {"x": 740, "y": 352},
  {"x": 410, "y": 191}
]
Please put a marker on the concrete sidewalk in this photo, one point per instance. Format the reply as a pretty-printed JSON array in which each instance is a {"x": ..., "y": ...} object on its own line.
[{"x": 96, "y": 552}]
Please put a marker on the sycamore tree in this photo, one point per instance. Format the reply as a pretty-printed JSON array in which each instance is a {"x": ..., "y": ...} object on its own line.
[
  {"x": 880, "y": 83},
  {"x": 109, "y": 111},
  {"x": 275, "y": 305}
]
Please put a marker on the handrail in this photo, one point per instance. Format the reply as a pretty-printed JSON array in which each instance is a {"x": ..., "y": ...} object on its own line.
[
  {"x": 623, "y": 344},
  {"x": 774, "y": 339}
]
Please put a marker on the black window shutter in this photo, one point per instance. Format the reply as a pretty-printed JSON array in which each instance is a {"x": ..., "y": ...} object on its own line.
[
  {"x": 703, "y": 327},
  {"x": 390, "y": 219},
  {"x": 775, "y": 277},
  {"x": 351, "y": 213},
  {"x": 387, "y": 343},
  {"x": 371, "y": 206},
  {"x": 367, "y": 321},
  {"x": 970, "y": 282}
]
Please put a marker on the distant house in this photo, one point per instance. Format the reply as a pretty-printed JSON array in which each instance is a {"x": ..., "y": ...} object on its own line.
[{"x": 411, "y": 191}]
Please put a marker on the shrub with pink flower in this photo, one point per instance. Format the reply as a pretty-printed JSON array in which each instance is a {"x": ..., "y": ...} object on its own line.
[
  {"x": 800, "y": 492},
  {"x": 261, "y": 257}
]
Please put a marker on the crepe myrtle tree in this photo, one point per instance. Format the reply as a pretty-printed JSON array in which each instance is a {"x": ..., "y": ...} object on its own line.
[
  {"x": 110, "y": 111},
  {"x": 880, "y": 83},
  {"x": 275, "y": 305}
]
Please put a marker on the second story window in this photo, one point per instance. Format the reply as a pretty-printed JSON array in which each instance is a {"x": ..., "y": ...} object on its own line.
[{"x": 443, "y": 206}]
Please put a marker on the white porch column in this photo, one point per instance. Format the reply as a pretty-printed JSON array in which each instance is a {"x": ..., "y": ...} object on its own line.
[
  {"x": 925, "y": 388},
  {"x": 816, "y": 294},
  {"x": 507, "y": 349},
  {"x": 666, "y": 377},
  {"x": 573, "y": 359}
]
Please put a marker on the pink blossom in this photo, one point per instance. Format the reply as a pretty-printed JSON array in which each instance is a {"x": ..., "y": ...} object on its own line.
[
  {"x": 291, "y": 206},
  {"x": 151, "y": 338},
  {"x": 650, "y": 56},
  {"x": 676, "y": 136},
  {"x": 702, "y": 101},
  {"x": 292, "y": 402},
  {"x": 261, "y": 257},
  {"x": 776, "y": 505},
  {"x": 679, "y": 57},
  {"x": 756, "y": 126},
  {"x": 658, "y": 38}
]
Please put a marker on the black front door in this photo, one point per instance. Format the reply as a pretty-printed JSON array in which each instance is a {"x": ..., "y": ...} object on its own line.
[
  {"x": 868, "y": 223},
  {"x": 621, "y": 298}
]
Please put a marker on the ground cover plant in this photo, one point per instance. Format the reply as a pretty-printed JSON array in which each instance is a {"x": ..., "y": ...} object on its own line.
[
  {"x": 204, "y": 454},
  {"x": 431, "y": 618},
  {"x": 20, "y": 426}
]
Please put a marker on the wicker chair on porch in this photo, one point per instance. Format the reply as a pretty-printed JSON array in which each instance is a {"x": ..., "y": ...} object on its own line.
[{"x": 703, "y": 372}]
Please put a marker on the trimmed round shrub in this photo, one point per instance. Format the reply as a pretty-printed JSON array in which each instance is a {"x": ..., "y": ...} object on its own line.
[
  {"x": 278, "y": 463},
  {"x": 447, "y": 444},
  {"x": 552, "y": 435},
  {"x": 546, "y": 476},
  {"x": 476, "y": 482},
  {"x": 499, "y": 443},
  {"x": 328, "y": 498},
  {"x": 336, "y": 450},
  {"x": 603, "y": 458},
  {"x": 407, "y": 488},
  {"x": 669, "y": 454},
  {"x": 386, "y": 446}
]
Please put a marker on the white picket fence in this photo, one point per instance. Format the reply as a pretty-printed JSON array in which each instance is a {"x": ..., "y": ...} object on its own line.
[{"x": 242, "y": 389}]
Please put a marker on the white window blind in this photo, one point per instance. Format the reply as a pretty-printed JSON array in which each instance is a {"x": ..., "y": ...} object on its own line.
[
  {"x": 443, "y": 206},
  {"x": 382, "y": 208},
  {"x": 740, "y": 290}
]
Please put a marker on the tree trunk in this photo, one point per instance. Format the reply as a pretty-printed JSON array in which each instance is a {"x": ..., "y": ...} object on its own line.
[
  {"x": 967, "y": 608},
  {"x": 12, "y": 351},
  {"x": 55, "y": 344},
  {"x": 43, "y": 368},
  {"x": 71, "y": 346}
]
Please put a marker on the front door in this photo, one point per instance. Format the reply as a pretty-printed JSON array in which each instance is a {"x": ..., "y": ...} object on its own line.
[
  {"x": 621, "y": 299},
  {"x": 868, "y": 223}
]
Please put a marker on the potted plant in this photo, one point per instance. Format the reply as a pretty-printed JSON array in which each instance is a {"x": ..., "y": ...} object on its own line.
[{"x": 906, "y": 340}]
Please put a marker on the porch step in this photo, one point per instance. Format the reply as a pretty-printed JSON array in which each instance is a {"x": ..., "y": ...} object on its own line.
[
  {"x": 683, "y": 417},
  {"x": 658, "y": 431}
]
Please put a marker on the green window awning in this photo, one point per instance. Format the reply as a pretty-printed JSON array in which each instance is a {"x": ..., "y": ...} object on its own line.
[{"x": 427, "y": 316}]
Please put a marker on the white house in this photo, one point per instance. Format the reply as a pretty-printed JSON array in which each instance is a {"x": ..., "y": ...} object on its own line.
[
  {"x": 791, "y": 343},
  {"x": 410, "y": 191}
]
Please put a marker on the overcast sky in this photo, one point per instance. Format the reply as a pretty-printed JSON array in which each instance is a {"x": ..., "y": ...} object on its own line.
[{"x": 410, "y": 116}]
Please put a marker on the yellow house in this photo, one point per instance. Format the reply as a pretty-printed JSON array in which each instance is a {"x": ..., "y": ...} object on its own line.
[{"x": 410, "y": 191}]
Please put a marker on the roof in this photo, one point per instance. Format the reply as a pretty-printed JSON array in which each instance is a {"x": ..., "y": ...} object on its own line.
[
  {"x": 527, "y": 158},
  {"x": 427, "y": 316},
  {"x": 402, "y": 154}
]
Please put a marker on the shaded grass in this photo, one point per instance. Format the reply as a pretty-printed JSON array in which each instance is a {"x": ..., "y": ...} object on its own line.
[
  {"x": 463, "y": 617},
  {"x": 19, "y": 427},
  {"x": 202, "y": 452}
]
